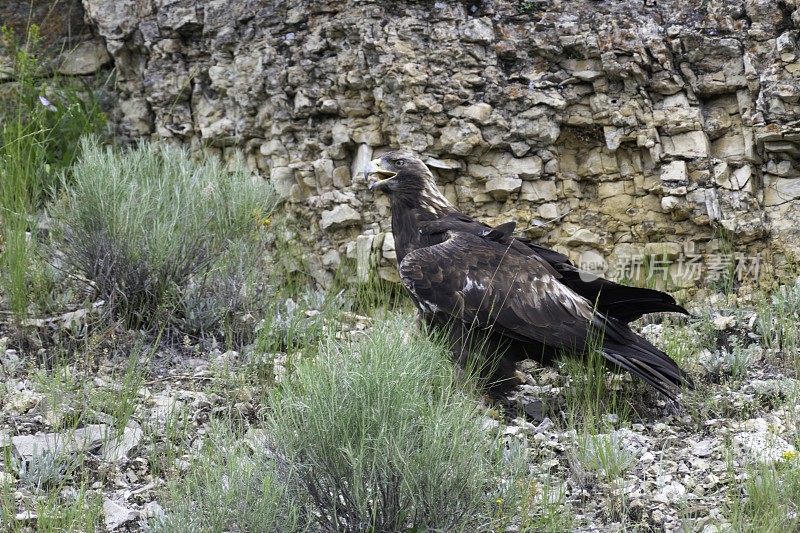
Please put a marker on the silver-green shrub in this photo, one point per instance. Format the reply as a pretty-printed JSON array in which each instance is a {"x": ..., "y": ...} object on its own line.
[
  {"x": 369, "y": 435},
  {"x": 146, "y": 224},
  {"x": 377, "y": 437}
]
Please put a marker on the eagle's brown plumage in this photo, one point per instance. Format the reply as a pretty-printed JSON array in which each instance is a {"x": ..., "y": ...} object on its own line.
[{"x": 504, "y": 298}]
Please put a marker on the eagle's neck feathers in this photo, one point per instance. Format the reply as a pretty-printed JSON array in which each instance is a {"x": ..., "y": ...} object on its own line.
[
  {"x": 409, "y": 210},
  {"x": 433, "y": 201}
]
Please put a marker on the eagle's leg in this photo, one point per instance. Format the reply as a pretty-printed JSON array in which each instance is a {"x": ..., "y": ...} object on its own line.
[
  {"x": 479, "y": 355},
  {"x": 459, "y": 348}
]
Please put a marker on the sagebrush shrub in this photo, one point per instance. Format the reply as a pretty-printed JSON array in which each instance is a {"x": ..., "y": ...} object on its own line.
[
  {"x": 230, "y": 296},
  {"x": 146, "y": 223},
  {"x": 377, "y": 437},
  {"x": 777, "y": 320},
  {"x": 370, "y": 435}
]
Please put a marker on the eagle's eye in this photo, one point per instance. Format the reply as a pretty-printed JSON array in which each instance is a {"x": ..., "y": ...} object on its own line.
[{"x": 399, "y": 162}]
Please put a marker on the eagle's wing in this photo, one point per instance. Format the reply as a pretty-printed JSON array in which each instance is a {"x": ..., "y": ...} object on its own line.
[
  {"x": 487, "y": 284},
  {"x": 622, "y": 302}
]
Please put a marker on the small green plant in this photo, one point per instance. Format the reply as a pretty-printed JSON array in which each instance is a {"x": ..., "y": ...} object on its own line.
[
  {"x": 63, "y": 391},
  {"x": 593, "y": 391},
  {"x": 58, "y": 485},
  {"x": 41, "y": 122},
  {"x": 121, "y": 400},
  {"x": 656, "y": 272},
  {"x": 300, "y": 323},
  {"x": 47, "y": 469},
  {"x": 543, "y": 506},
  {"x": 723, "y": 274},
  {"x": 227, "y": 299},
  {"x": 147, "y": 224},
  {"x": 770, "y": 499},
  {"x": 63, "y": 508},
  {"x": 777, "y": 322},
  {"x": 741, "y": 357},
  {"x": 167, "y": 437},
  {"x": 234, "y": 485},
  {"x": 376, "y": 296},
  {"x": 588, "y": 390},
  {"x": 683, "y": 339},
  {"x": 73, "y": 509},
  {"x": 529, "y": 7},
  {"x": 603, "y": 455}
]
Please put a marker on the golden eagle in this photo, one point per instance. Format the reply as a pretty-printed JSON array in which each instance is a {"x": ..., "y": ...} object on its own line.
[{"x": 502, "y": 298}]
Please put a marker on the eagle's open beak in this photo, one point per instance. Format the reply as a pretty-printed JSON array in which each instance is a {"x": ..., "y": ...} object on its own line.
[{"x": 372, "y": 169}]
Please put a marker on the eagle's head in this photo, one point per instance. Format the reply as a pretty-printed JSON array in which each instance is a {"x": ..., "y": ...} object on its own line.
[
  {"x": 406, "y": 179},
  {"x": 397, "y": 171}
]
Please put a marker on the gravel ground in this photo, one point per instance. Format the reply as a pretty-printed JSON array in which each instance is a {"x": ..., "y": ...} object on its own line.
[{"x": 101, "y": 430}]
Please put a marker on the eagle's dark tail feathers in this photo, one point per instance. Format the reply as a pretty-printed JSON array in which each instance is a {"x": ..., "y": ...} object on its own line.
[
  {"x": 622, "y": 302},
  {"x": 630, "y": 310},
  {"x": 644, "y": 360}
]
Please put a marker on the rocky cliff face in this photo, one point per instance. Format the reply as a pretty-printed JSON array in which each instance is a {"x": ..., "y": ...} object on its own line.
[{"x": 612, "y": 130}]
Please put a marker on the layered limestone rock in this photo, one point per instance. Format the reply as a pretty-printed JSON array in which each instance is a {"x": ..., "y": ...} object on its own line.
[{"x": 599, "y": 126}]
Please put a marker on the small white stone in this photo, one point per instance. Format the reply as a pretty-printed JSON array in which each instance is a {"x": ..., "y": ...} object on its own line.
[
  {"x": 116, "y": 449},
  {"x": 86, "y": 58},
  {"x": 387, "y": 249},
  {"x": 363, "y": 156},
  {"x": 501, "y": 187},
  {"x": 479, "y": 112},
  {"x": 478, "y": 30},
  {"x": 758, "y": 442},
  {"x": 692, "y": 144},
  {"x": 339, "y": 217},
  {"x": 674, "y": 171},
  {"x": 721, "y": 323},
  {"x": 117, "y": 515},
  {"x": 153, "y": 510}
]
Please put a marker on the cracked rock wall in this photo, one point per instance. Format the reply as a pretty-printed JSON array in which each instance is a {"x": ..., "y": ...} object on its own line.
[{"x": 606, "y": 129}]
